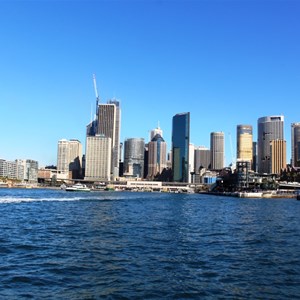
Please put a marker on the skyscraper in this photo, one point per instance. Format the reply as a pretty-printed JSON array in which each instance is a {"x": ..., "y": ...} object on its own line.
[
  {"x": 269, "y": 128},
  {"x": 134, "y": 157},
  {"x": 109, "y": 126},
  {"x": 98, "y": 158},
  {"x": 295, "y": 147},
  {"x": 217, "y": 150},
  {"x": 157, "y": 153},
  {"x": 107, "y": 123},
  {"x": 180, "y": 147},
  {"x": 244, "y": 143}
]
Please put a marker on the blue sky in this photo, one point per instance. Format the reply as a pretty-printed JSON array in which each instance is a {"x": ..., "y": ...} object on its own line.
[{"x": 226, "y": 62}]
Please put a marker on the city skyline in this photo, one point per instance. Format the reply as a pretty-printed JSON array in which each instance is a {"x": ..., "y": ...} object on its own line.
[{"x": 225, "y": 62}]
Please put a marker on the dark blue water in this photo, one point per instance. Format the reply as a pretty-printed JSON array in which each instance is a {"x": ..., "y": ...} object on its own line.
[{"x": 118, "y": 245}]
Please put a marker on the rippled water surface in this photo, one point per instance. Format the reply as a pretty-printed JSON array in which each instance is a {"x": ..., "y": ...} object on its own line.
[{"x": 122, "y": 245}]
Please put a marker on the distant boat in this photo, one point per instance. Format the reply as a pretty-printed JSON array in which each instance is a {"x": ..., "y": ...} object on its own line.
[
  {"x": 78, "y": 187},
  {"x": 250, "y": 194},
  {"x": 264, "y": 194}
]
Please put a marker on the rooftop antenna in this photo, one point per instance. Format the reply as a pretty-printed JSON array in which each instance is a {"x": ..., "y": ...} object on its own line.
[{"x": 158, "y": 125}]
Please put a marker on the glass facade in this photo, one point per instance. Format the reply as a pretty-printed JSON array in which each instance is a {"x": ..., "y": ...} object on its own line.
[
  {"x": 180, "y": 147},
  {"x": 295, "y": 144}
]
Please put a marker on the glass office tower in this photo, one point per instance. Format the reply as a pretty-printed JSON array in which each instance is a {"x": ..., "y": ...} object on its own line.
[{"x": 180, "y": 147}]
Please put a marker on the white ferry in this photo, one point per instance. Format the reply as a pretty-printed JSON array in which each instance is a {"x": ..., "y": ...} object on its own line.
[{"x": 78, "y": 187}]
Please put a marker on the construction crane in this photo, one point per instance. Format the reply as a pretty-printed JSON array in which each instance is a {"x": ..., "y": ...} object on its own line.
[
  {"x": 231, "y": 150},
  {"x": 96, "y": 93}
]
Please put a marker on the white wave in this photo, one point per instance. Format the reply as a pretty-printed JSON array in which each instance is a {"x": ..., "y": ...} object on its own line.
[
  {"x": 25, "y": 199},
  {"x": 115, "y": 196}
]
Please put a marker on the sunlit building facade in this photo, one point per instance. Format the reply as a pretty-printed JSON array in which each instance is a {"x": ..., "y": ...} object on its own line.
[
  {"x": 98, "y": 158},
  {"x": 69, "y": 158},
  {"x": 278, "y": 156},
  {"x": 157, "y": 153},
  {"x": 244, "y": 143}
]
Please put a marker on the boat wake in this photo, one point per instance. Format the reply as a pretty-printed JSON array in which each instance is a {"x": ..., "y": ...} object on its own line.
[{"x": 5, "y": 200}]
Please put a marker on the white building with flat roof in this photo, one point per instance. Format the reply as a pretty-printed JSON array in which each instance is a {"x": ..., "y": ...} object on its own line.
[
  {"x": 69, "y": 158},
  {"x": 98, "y": 158}
]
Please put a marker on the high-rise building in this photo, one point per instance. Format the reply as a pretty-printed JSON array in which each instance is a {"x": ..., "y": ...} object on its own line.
[
  {"x": 217, "y": 150},
  {"x": 69, "y": 158},
  {"x": 278, "y": 156},
  {"x": 157, "y": 153},
  {"x": 295, "y": 147},
  {"x": 269, "y": 128},
  {"x": 109, "y": 117},
  {"x": 180, "y": 147},
  {"x": 202, "y": 158},
  {"x": 107, "y": 123},
  {"x": 98, "y": 158},
  {"x": 244, "y": 143},
  {"x": 134, "y": 157},
  {"x": 63, "y": 156}
]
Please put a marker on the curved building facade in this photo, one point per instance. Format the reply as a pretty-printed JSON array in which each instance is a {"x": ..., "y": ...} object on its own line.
[
  {"x": 134, "y": 157},
  {"x": 217, "y": 150},
  {"x": 268, "y": 129}
]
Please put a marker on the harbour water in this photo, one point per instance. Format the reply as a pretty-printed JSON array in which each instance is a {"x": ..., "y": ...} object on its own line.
[{"x": 127, "y": 245}]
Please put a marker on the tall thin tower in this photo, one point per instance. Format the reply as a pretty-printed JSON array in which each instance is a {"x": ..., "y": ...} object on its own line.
[
  {"x": 109, "y": 117},
  {"x": 295, "y": 148},
  {"x": 217, "y": 150},
  {"x": 244, "y": 143},
  {"x": 180, "y": 147}
]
